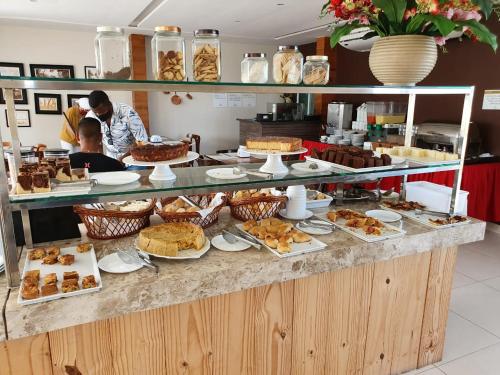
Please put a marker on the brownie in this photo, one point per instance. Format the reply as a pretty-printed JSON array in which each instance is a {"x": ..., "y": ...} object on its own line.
[
  {"x": 378, "y": 162},
  {"x": 331, "y": 155},
  {"x": 49, "y": 161},
  {"x": 386, "y": 159},
  {"x": 49, "y": 168},
  {"x": 29, "y": 167},
  {"x": 371, "y": 162},
  {"x": 347, "y": 160},
  {"x": 24, "y": 181},
  {"x": 357, "y": 162},
  {"x": 314, "y": 154},
  {"x": 41, "y": 181},
  {"x": 324, "y": 155},
  {"x": 367, "y": 153},
  {"x": 339, "y": 157}
]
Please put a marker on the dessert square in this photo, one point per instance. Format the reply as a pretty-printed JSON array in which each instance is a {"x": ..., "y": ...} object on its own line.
[
  {"x": 71, "y": 275},
  {"x": 70, "y": 285},
  {"x": 66, "y": 260},
  {"x": 89, "y": 282},
  {"x": 36, "y": 254},
  {"x": 50, "y": 278},
  {"x": 83, "y": 247},
  {"x": 33, "y": 275},
  {"x": 30, "y": 290},
  {"x": 41, "y": 182},
  {"x": 24, "y": 182},
  {"x": 53, "y": 250},
  {"x": 49, "y": 259},
  {"x": 49, "y": 289}
]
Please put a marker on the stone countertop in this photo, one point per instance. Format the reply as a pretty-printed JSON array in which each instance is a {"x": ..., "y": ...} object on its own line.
[{"x": 219, "y": 272}]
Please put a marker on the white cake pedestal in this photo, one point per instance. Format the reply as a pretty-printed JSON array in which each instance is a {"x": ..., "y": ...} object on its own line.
[{"x": 274, "y": 163}]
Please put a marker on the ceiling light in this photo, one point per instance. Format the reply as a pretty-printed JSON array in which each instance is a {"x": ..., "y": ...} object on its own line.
[
  {"x": 300, "y": 32},
  {"x": 280, "y": 4},
  {"x": 237, "y": 21}
]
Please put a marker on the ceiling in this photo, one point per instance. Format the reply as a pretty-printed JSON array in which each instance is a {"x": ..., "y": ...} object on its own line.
[{"x": 265, "y": 21}]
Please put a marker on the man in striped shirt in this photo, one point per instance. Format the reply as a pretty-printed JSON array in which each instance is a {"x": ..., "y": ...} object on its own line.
[{"x": 121, "y": 125}]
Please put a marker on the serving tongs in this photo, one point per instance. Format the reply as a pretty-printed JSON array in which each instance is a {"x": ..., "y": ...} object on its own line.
[
  {"x": 71, "y": 184},
  {"x": 133, "y": 257},
  {"x": 241, "y": 170},
  {"x": 420, "y": 211},
  {"x": 233, "y": 238}
]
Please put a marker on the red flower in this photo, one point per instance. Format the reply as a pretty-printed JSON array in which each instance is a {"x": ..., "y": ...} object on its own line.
[{"x": 410, "y": 13}]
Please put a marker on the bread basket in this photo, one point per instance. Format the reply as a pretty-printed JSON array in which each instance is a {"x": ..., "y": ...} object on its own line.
[
  {"x": 257, "y": 208},
  {"x": 105, "y": 224},
  {"x": 194, "y": 217}
]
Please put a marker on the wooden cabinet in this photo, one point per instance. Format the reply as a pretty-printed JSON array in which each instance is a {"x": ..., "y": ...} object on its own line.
[{"x": 302, "y": 129}]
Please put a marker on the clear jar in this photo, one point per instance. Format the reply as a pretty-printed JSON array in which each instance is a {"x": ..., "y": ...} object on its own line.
[
  {"x": 206, "y": 55},
  {"x": 316, "y": 70},
  {"x": 254, "y": 68},
  {"x": 168, "y": 54},
  {"x": 287, "y": 65},
  {"x": 112, "y": 53}
]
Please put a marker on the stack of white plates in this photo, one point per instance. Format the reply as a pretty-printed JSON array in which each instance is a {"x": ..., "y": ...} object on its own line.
[
  {"x": 345, "y": 142},
  {"x": 357, "y": 139}
]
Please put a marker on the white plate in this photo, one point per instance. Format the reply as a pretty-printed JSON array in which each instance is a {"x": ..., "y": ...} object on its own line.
[
  {"x": 185, "y": 254},
  {"x": 224, "y": 174},
  {"x": 304, "y": 167},
  {"x": 314, "y": 231},
  {"x": 307, "y": 215},
  {"x": 220, "y": 243},
  {"x": 113, "y": 264},
  {"x": 116, "y": 178},
  {"x": 384, "y": 216},
  {"x": 85, "y": 264}
]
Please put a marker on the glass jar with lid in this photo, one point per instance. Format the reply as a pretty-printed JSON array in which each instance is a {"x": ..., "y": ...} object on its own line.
[
  {"x": 112, "y": 53},
  {"x": 287, "y": 65},
  {"x": 316, "y": 70},
  {"x": 168, "y": 54},
  {"x": 254, "y": 68},
  {"x": 206, "y": 55}
]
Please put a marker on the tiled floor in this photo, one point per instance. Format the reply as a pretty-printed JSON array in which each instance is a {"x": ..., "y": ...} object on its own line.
[{"x": 472, "y": 344}]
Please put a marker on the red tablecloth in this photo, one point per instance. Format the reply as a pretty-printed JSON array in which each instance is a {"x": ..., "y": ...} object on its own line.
[{"x": 482, "y": 181}]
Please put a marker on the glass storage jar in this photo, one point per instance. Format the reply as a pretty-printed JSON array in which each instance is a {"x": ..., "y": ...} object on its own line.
[
  {"x": 206, "y": 55},
  {"x": 316, "y": 70},
  {"x": 168, "y": 54},
  {"x": 287, "y": 65},
  {"x": 254, "y": 68},
  {"x": 112, "y": 53}
]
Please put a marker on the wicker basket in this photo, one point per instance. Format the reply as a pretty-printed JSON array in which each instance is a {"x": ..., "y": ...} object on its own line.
[
  {"x": 257, "y": 208},
  {"x": 193, "y": 217},
  {"x": 106, "y": 224}
]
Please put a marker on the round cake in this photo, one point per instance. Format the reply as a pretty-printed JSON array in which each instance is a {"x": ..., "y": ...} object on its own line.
[{"x": 159, "y": 152}]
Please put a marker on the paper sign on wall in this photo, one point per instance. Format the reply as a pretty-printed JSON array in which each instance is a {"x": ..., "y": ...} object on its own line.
[
  {"x": 219, "y": 100},
  {"x": 248, "y": 100},
  {"x": 234, "y": 100},
  {"x": 491, "y": 99}
]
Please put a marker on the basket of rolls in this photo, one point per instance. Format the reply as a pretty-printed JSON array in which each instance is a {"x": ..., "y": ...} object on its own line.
[
  {"x": 256, "y": 204},
  {"x": 175, "y": 210},
  {"x": 105, "y": 221}
]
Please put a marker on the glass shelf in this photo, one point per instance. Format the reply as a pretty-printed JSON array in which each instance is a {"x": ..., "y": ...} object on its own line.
[
  {"x": 219, "y": 87},
  {"x": 194, "y": 180}
]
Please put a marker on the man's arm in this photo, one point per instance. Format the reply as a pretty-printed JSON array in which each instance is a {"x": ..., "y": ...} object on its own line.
[{"x": 136, "y": 126}]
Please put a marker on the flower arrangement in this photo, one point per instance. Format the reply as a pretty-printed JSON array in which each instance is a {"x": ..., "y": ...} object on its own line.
[{"x": 435, "y": 18}]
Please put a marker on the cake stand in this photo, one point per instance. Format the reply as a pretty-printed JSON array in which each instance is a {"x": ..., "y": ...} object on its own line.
[
  {"x": 274, "y": 163},
  {"x": 162, "y": 171}
]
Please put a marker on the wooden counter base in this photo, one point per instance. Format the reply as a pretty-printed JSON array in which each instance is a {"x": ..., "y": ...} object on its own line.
[{"x": 382, "y": 318}]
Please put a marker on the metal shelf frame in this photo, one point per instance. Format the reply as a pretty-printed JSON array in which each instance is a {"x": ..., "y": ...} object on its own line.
[{"x": 8, "y": 84}]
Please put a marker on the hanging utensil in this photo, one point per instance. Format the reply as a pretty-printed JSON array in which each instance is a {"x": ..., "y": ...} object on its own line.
[{"x": 176, "y": 99}]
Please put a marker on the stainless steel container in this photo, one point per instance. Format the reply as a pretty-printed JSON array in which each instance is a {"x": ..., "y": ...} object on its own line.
[{"x": 339, "y": 115}]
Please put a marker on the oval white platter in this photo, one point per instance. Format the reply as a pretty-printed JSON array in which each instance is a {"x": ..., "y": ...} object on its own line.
[
  {"x": 116, "y": 178},
  {"x": 224, "y": 174},
  {"x": 220, "y": 243},
  {"x": 113, "y": 264}
]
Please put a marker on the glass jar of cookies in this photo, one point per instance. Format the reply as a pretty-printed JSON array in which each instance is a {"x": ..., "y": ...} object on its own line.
[
  {"x": 168, "y": 54},
  {"x": 206, "y": 55},
  {"x": 287, "y": 65},
  {"x": 112, "y": 53},
  {"x": 316, "y": 70}
]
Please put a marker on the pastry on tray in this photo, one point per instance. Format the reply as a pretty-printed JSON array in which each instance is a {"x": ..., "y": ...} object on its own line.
[
  {"x": 71, "y": 275},
  {"x": 53, "y": 250},
  {"x": 159, "y": 152},
  {"x": 169, "y": 238},
  {"x": 280, "y": 144},
  {"x": 70, "y": 285},
  {"x": 36, "y": 254},
  {"x": 66, "y": 259},
  {"x": 88, "y": 282},
  {"x": 83, "y": 247},
  {"x": 357, "y": 220},
  {"x": 404, "y": 205},
  {"x": 50, "y": 278},
  {"x": 49, "y": 289},
  {"x": 33, "y": 275},
  {"x": 30, "y": 290},
  {"x": 50, "y": 259},
  {"x": 41, "y": 182},
  {"x": 24, "y": 183}
]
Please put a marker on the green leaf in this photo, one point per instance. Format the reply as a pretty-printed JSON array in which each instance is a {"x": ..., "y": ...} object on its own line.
[
  {"x": 443, "y": 24},
  {"x": 393, "y": 9},
  {"x": 341, "y": 31},
  {"x": 415, "y": 24},
  {"x": 485, "y": 5},
  {"x": 481, "y": 32}
]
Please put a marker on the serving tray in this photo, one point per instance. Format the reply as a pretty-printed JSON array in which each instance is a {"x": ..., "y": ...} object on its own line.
[
  {"x": 356, "y": 170},
  {"x": 424, "y": 218}
]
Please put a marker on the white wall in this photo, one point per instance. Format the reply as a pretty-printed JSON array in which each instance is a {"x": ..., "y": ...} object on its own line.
[
  {"x": 217, "y": 127},
  {"x": 47, "y": 46}
]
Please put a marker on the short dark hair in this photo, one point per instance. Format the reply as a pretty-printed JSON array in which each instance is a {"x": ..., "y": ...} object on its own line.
[
  {"x": 89, "y": 128},
  {"x": 98, "y": 97}
]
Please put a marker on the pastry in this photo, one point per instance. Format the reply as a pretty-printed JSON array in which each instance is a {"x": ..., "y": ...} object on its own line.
[
  {"x": 33, "y": 275},
  {"x": 66, "y": 260},
  {"x": 50, "y": 278},
  {"x": 88, "y": 282},
  {"x": 70, "y": 275},
  {"x": 36, "y": 254},
  {"x": 50, "y": 259},
  {"x": 247, "y": 225},
  {"x": 300, "y": 237},
  {"x": 159, "y": 152},
  {"x": 332, "y": 216},
  {"x": 49, "y": 289},
  {"x": 283, "y": 144},
  {"x": 41, "y": 182},
  {"x": 83, "y": 247},
  {"x": 404, "y": 205},
  {"x": 70, "y": 285},
  {"x": 53, "y": 250},
  {"x": 283, "y": 247},
  {"x": 30, "y": 290},
  {"x": 24, "y": 183},
  {"x": 271, "y": 241},
  {"x": 169, "y": 238}
]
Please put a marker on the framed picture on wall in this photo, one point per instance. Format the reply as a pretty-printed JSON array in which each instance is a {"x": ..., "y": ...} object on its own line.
[
  {"x": 72, "y": 98},
  {"x": 22, "y": 118},
  {"x": 90, "y": 72},
  {"x": 52, "y": 71},
  {"x": 48, "y": 104},
  {"x": 13, "y": 70}
]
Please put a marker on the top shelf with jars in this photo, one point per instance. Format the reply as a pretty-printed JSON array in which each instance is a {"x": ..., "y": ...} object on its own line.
[{"x": 221, "y": 87}]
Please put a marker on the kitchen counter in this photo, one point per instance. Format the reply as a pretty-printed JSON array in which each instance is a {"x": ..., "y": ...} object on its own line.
[{"x": 218, "y": 273}]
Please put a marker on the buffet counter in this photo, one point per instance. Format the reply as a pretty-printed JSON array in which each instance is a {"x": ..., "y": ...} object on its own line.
[{"x": 253, "y": 312}]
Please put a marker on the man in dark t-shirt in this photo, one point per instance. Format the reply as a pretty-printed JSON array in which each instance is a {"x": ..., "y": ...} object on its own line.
[{"x": 90, "y": 156}]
